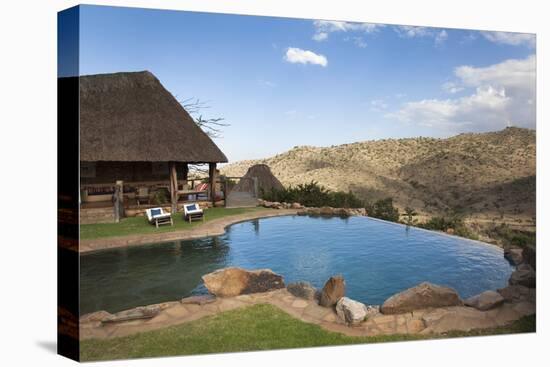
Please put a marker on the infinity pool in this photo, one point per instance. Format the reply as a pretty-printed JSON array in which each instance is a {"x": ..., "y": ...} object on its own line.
[{"x": 377, "y": 259}]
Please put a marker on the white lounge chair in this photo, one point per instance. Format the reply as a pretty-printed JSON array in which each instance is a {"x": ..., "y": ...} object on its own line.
[
  {"x": 158, "y": 216},
  {"x": 192, "y": 212}
]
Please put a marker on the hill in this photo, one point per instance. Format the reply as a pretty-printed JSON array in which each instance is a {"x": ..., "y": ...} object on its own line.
[{"x": 486, "y": 177}]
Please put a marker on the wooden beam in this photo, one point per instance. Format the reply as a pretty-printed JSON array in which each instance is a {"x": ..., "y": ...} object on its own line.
[
  {"x": 173, "y": 187},
  {"x": 212, "y": 184}
]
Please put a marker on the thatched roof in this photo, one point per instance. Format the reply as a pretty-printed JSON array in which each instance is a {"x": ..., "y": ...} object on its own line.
[
  {"x": 266, "y": 179},
  {"x": 132, "y": 117}
]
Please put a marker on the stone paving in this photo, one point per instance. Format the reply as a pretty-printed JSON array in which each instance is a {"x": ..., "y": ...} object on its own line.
[
  {"x": 439, "y": 320},
  {"x": 214, "y": 227}
]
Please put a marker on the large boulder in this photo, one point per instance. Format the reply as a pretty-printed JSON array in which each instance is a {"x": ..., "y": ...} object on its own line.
[
  {"x": 350, "y": 311},
  {"x": 485, "y": 301},
  {"x": 233, "y": 281},
  {"x": 524, "y": 275},
  {"x": 302, "y": 289},
  {"x": 518, "y": 293},
  {"x": 333, "y": 290},
  {"x": 514, "y": 255},
  {"x": 424, "y": 295},
  {"x": 296, "y": 206}
]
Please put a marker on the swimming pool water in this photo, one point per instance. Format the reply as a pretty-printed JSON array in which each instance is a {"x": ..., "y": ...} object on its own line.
[{"x": 376, "y": 258}]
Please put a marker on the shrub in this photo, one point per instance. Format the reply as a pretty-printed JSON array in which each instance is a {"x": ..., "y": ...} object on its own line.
[
  {"x": 160, "y": 197},
  {"x": 313, "y": 194},
  {"x": 454, "y": 222},
  {"x": 384, "y": 209}
]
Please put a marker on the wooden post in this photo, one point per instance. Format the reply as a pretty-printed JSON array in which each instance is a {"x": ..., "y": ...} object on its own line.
[
  {"x": 212, "y": 184},
  {"x": 173, "y": 187},
  {"x": 225, "y": 190},
  {"x": 119, "y": 200}
]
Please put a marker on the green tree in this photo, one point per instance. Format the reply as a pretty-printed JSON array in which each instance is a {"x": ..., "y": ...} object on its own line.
[
  {"x": 384, "y": 209},
  {"x": 409, "y": 215}
]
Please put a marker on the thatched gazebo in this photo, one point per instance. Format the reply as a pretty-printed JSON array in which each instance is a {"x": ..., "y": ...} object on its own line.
[{"x": 133, "y": 130}]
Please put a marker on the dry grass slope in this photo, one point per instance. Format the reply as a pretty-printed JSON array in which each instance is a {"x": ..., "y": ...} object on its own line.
[{"x": 487, "y": 177}]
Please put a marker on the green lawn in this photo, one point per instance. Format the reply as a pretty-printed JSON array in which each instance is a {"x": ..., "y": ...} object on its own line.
[
  {"x": 139, "y": 225},
  {"x": 259, "y": 327}
]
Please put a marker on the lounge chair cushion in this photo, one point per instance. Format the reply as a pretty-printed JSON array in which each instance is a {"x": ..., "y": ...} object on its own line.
[
  {"x": 192, "y": 207},
  {"x": 155, "y": 212}
]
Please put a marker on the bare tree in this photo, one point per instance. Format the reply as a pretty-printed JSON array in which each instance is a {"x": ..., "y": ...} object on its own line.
[{"x": 211, "y": 126}]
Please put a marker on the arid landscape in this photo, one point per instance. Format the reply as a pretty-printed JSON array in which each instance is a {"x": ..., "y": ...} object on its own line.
[{"x": 487, "y": 178}]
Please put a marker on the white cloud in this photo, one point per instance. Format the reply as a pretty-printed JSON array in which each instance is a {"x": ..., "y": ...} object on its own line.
[
  {"x": 378, "y": 105},
  {"x": 321, "y": 36},
  {"x": 298, "y": 56},
  {"x": 324, "y": 27},
  {"x": 407, "y": 31},
  {"x": 451, "y": 87},
  {"x": 503, "y": 94},
  {"x": 510, "y": 38},
  {"x": 441, "y": 37}
]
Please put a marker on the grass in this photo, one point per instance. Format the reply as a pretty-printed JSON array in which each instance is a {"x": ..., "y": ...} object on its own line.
[
  {"x": 259, "y": 327},
  {"x": 139, "y": 225}
]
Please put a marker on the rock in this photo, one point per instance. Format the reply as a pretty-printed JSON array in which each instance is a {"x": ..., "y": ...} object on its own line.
[
  {"x": 276, "y": 205},
  {"x": 442, "y": 320},
  {"x": 313, "y": 211},
  {"x": 326, "y": 210},
  {"x": 530, "y": 256},
  {"x": 517, "y": 293},
  {"x": 198, "y": 300},
  {"x": 485, "y": 301},
  {"x": 138, "y": 313},
  {"x": 95, "y": 316},
  {"x": 424, "y": 295},
  {"x": 357, "y": 211},
  {"x": 286, "y": 205},
  {"x": 267, "y": 204},
  {"x": 296, "y": 206},
  {"x": 302, "y": 212},
  {"x": 233, "y": 281},
  {"x": 514, "y": 255},
  {"x": 302, "y": 289},
  {"x": 450, "y": 231},
  {"x": 342, "y": 212},
  {"x": 524, "y": 275},
  {"x": 334, "y": 289},
  {"x": 350, "y": 311}
]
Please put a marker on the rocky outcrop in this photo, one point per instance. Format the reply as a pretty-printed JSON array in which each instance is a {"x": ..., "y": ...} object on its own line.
[
  {"x": 424, "y": 295},
  {"x": 350, "y": 311},
  {"x": 302, "y": 289},
  {"x": 234, "y": 281},
  {"x": 524, "y": 275},
  {"x": 514, "y": 255},
  {"x": 333, "y": 290},
  {"x": 485, "y": 301},
  {"x": 329, "y": 211}
]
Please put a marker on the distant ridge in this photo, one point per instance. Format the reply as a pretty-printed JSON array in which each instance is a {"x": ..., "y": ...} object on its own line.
[{"x": 489, "y": 176}]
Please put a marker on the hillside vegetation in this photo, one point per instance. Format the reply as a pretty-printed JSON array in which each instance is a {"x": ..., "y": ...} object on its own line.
[{"x": 487, "y": 178}]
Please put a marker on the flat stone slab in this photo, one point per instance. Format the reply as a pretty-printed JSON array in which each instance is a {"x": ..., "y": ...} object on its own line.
[
  {"x": 434, "y": 320},
  {"x": 198, "y": 300}
]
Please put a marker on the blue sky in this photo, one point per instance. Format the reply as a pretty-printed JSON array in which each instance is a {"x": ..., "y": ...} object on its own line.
[{"x": 284, "y": 82}]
